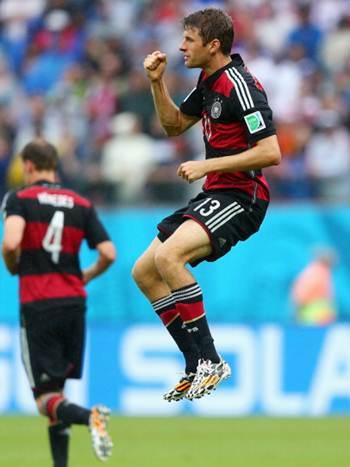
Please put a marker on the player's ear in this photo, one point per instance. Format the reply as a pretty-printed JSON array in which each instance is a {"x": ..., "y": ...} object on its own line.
[
  {"x": 214, "y": 46},
  {"x": 28, "y": 169}
]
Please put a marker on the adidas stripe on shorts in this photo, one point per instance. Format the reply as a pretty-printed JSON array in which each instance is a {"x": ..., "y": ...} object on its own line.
[{"x": 228, "y": 216}]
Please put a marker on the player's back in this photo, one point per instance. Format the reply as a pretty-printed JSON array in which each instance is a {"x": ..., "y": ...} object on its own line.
[{"x": 57, "y": 220}]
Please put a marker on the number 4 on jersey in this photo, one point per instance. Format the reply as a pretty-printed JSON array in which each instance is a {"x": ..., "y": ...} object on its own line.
[{"x": 52, "y": 242}]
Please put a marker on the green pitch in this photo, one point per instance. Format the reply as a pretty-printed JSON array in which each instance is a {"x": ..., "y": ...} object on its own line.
[{"x": 192, "y": 442}]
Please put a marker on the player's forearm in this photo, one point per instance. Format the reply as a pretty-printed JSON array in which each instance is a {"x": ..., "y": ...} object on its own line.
[
  {"x": 254, "y": 158},
  {"x": 95, "y": 270},
  {"x": 11, "y": 260},
  {"x": 107, "y": 256},
  {"x": 167, "y": 111},
  {"x": 264, "y": 154}
]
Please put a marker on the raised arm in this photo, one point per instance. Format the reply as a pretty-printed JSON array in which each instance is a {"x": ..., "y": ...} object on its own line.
[{"x": 171, "y": 118}]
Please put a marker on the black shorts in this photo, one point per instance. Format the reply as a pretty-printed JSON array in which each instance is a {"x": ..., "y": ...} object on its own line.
[
  {"x": 227, "y": 216},
  {"x": 52, "y": 346}
]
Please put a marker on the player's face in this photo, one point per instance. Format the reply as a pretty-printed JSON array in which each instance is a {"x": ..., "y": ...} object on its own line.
[{"x": 196, "y": 55}]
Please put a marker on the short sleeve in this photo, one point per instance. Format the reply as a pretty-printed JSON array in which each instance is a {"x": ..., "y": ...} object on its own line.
[
  {"x": 95, "y": 232},
  {"x": 192, "y": 104},
  {"x": 259, "y": 124},
  {"x": 253, "y": 109},
  {"x": 11, "y": 205}
]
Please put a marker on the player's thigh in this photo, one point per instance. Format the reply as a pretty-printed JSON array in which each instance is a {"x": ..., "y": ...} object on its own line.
[{"x": 190, "y": 241}]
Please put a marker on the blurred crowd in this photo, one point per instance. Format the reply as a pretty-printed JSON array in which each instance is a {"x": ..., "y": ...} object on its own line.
[{"x": 71, "y": 71}]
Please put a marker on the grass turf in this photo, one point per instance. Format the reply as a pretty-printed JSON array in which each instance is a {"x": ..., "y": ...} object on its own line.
[{"x": 188, "y": 441}]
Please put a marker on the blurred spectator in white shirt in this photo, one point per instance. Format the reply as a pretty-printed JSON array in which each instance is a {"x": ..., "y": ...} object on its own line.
[
  {"x": 127, "y": 158},
  {"x": 328, "y": 158},
  {"x": 336, "y": 48}
]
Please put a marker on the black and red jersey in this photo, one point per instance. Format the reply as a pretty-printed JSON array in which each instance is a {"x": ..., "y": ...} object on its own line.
[
  {"x": 235, "y": 115},
  {"x": 57, "y": 221}
]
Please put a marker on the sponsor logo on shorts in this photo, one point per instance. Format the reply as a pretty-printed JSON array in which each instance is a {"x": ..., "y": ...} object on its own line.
[
  {"x": 222, "y": 241},
  {"x": 44, "y": 378}
]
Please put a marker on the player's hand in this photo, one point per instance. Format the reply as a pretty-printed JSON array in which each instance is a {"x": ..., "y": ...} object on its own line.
[
  {"x": 155, "y": 64},
  {"x": 192, "y": 170},
  {"x": 87, "y": 275}
]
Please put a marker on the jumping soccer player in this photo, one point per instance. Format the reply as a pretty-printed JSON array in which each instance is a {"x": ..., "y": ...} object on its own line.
[{"x": 240, "y": 140}]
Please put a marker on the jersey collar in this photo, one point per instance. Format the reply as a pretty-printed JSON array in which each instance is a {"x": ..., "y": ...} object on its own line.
[
  {"x": 236, "y": 60},
  {"x": 46, "y": 183}
]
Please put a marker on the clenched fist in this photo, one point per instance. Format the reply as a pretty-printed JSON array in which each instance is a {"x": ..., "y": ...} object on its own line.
[
  {"x": 192, "y": 170},
  {"x": 155, "y": 64}
]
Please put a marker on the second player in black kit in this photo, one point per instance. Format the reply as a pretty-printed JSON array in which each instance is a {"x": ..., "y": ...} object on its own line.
[{"x": 45, "y": 225}]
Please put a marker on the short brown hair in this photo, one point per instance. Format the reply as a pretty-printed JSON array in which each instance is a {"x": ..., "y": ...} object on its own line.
[
  {"x": 42, "y": 153},
  {"x": 212, "y": 23}
]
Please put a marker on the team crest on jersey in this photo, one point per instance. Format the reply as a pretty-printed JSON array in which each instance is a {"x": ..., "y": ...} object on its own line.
[{"x": 216, "y": 109}]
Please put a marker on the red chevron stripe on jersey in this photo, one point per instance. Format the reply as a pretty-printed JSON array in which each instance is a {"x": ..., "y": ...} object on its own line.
[
  {"x": 35, "y": 233},
  {"x": 48, "y": 286},
  {"x": 224, "y": 135}
]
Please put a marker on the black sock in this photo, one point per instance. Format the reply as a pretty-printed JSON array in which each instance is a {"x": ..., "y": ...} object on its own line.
[
  {"x": 72, "y": 414},
  {"x": 166, "y": 309},
  {"x": 186, "y": 344},
  {"x": 201, "y": 333},
  {"x": 189, "y": 302},
  {"x": 59, "y": 444}
]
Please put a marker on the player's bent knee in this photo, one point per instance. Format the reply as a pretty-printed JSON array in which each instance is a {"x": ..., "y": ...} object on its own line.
[
  {"x": 47, "y": 404},
  {"x": 41, "y": 403},
  {"x": 144, "y": 276},
  {"x": 41, "y": 407},
  {"x": 165, "y": 259},
  {"x": 137, "y": 271}
]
